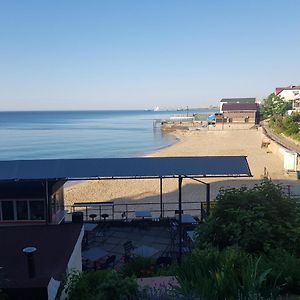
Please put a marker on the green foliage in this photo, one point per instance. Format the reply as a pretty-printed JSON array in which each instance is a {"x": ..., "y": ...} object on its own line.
[
  {"x": 139, "y": 267},
  {"x": 287, "y": 125},
  {"x": 256, "y": 220},
  {"x": 104, "y": 285},
  {"x": 229, "y": 274},
  {"x": 285, "y": 270},
  {"x": 274, "y": 106},
  {"x": 290, "y": 126}
]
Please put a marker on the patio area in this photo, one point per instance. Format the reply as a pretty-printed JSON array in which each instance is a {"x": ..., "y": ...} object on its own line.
[{"x": 106, "y": 247}]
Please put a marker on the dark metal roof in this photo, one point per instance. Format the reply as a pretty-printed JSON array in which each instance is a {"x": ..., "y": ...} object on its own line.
[
  {"x": 72, "y": 169},
  {"x": 238, "y": 100},
  {"x": 239, "y": 106},
  {"x": 55, "y": 245}
]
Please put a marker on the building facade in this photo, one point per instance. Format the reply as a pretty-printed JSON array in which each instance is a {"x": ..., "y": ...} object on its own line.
[
  {"x": 27, "y": 202},
  {"x": 236, "y": 101},
  {"x": 290, "y": 93},
  {"x": 241, "y": 113}
]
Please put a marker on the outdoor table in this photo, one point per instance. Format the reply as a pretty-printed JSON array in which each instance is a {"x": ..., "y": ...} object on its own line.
[
  {"x": 191, "y": 234},
  {"x": 89, "y": 226},
  {"x": 94, "y": 254},
  {"x": 143, "y": 214},
  {"x": 145, "y": 251},
  {"x": 186, "y": 219}
]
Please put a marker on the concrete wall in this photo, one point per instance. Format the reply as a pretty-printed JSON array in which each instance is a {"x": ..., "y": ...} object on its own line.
[{"x": 240, "y": 116}]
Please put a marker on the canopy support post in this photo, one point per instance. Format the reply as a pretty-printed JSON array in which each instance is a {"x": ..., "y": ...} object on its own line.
[
  {"x": 161, "y": 200},
  {"x": 180, "y": 218},
  {"x": 47, "y": 208},
  {"x": 208, "y": 198}
]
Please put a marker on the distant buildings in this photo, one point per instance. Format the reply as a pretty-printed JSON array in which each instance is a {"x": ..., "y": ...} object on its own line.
[
  {"x": 290, "y": 93},
  {"x": 235, "y": 100},
  {"x": 238, "y": 110}
]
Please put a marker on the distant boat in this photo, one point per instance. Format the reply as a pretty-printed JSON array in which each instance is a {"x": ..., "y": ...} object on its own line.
[{"x": 156, "y": 108}]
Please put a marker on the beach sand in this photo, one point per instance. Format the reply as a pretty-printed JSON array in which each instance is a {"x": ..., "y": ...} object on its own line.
[{"x": 192, "y": 143}]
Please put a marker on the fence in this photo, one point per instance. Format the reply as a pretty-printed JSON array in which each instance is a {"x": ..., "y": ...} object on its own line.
[{"x": 117, "y": 211}]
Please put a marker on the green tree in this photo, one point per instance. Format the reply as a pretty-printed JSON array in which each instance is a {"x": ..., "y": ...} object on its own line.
[
  {"x": 274, "y": 105},
  {"x": 256, "y": 219},
  {"x": 290, "y": 125},
  {"x": 104, "y": 285}
]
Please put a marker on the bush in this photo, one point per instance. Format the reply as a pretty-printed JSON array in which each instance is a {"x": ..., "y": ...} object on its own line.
[
  {"x": 256, "y": 220},
  {"x": 229, "y": 274},
  {"x": 285, "y": 270},
  {"x": 139, "y": 267},
  {"x": 104, "y": 285}
]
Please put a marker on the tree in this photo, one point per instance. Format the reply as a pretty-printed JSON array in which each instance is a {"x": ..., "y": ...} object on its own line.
[
  {"x": 274, "y": 105},
  {"x": 104, "y": 285},
  {"x": 255, "y": 219}
]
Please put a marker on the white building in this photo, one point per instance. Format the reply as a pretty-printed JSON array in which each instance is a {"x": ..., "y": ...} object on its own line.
[{"x": 290, "y": 93}]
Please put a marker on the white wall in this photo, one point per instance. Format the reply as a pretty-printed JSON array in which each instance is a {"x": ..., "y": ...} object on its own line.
[
  {"x": 75, "y": 261},
  {"x": 290, "y": 94},
  {"x": 74, "y": 264}
]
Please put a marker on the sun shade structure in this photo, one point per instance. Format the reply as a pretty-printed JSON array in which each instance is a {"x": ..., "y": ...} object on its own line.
[
  {"x": 144, "y": 167},
  {"x": 51, "y": 174}
]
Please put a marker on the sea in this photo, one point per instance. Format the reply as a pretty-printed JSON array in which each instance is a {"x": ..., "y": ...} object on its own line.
[{"x": 82, "y": 134}]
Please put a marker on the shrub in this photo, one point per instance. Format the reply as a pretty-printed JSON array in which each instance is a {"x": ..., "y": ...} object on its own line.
[
  {"x": 139, "y": 267},
  {"x": 285, "y": 270},
  {"x": 104, "y": 285},
  {"x": 290, "y": 126},
  {"x": 229, "y": 274},
  {"x": 256, "y": 219}
]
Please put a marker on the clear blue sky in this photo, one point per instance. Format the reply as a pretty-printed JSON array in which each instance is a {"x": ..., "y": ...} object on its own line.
[{"x": 58, "y": 54}]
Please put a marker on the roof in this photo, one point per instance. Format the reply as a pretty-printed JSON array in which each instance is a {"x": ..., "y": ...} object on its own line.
[
  {"x": 238, "y": 100},
  {"x": 54, "y": 243},
  {"x": 291, "y": 87},
  {"x": 141, "y": 167},
  {"x": 240, "y": 106}
]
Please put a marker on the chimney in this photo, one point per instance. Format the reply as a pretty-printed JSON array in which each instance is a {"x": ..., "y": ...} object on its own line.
[{"x": 29, "y": 251}]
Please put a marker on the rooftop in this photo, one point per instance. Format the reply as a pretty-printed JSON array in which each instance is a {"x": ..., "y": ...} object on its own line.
[
  {"x": 238, "y": 100},
  {"x": 291, "y": 87},
  {"x": 135, "y": 167},
  {"x": 240, "y": 107},
  {"x": 54, "y": 243}
]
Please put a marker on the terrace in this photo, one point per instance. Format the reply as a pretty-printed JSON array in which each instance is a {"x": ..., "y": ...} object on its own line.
[{"x": 163, "y": 225}]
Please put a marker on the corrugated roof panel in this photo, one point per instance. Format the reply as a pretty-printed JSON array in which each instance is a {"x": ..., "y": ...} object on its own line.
[{"x": 197, "y": 166}]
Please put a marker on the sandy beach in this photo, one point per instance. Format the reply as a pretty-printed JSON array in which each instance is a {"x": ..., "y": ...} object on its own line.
[{"x": 192, "y": 143}]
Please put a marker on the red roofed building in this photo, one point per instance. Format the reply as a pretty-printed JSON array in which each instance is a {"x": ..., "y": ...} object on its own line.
[
  {"x": 241, "y": 113},
  {"x": 290, "y": 93}
]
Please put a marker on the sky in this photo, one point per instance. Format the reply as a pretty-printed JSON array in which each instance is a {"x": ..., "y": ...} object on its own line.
[{"x": 136, "y": 54}]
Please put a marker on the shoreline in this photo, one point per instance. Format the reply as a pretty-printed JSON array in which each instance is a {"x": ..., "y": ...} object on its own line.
[{"x": 189, "y": 143}]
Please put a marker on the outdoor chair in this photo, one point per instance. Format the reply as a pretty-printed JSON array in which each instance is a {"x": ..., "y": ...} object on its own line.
[
  {"x": 164, "y": 261},
  {"x": 128, "y": 247},
  {"x": 110, "y": 262}
]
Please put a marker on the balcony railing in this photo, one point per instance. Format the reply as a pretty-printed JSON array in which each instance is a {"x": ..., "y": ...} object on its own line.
[{"x": 119, "y": 211}]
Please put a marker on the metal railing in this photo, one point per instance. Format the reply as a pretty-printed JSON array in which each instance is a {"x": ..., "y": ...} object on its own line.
[{"x": 117, "y": 211}]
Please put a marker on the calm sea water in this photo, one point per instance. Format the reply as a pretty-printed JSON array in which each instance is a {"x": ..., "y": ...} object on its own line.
[{"x": 80, "y": 134}]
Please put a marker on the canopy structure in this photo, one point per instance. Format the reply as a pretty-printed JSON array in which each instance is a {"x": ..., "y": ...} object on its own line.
[
  {"x": 194, "y": 167},
  {"x": 142, "y": 167}
]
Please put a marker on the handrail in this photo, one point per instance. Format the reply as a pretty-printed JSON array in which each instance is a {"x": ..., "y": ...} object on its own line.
[{"x": 117, "y": 210}]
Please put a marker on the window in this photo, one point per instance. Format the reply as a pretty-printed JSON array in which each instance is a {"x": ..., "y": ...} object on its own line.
[
  {"x": 22, "y": 210},
  {"x": 7, "y": 210},
  {"x": 37, "y": 210}
]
